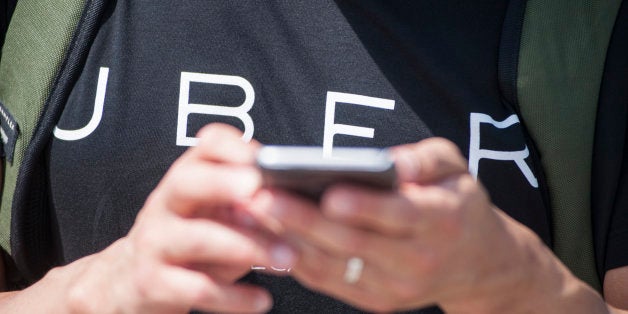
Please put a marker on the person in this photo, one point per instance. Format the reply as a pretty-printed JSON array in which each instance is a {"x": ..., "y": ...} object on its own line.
[{"x": 147, "y": 218}]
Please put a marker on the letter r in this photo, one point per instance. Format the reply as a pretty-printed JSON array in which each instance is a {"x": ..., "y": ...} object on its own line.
[{"x": 476, "y": 153}]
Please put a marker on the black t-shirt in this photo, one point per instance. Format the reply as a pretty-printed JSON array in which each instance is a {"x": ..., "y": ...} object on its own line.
[{"x": 324, "y": 73}]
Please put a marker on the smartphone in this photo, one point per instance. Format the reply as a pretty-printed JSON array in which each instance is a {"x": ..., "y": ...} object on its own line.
[{"x": 306, "y": 171}]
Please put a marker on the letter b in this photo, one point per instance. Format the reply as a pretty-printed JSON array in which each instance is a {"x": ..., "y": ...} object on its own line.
[{"x": 186, "y": 108}]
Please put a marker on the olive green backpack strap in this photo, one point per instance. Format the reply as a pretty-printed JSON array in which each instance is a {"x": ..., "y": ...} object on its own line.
[
  {"x": 36, "y": 59},
  {"x": 561, "y": 63},
  {"x": 35, "y": 47}
]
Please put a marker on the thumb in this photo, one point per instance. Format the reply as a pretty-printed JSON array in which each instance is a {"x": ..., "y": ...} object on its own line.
[{"x": 429, "y": 160}]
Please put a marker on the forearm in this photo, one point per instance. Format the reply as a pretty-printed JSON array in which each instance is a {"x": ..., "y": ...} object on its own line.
[
  {"x": 43, "y": 296},
  {"x": 562, "y": 292},
  {"x": 573, "y": 296},
  {"x": 613, "y": 310},
  {"x": 556, "y": 290},
  {"x": 533, "y": 281},
  {"x": 5, "y": 298},
  {"x": 13, "y": 302},
  {"x": 552, "y": 288}
]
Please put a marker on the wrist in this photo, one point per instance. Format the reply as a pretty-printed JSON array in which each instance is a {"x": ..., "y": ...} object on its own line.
[
  {"x": 562, "y": 292},
  {"x": 547, "y": 286},
  {"x": 509, "y": 281},
  {"x": 530, "y": 280},
  {"x": 554, "y": 289}
]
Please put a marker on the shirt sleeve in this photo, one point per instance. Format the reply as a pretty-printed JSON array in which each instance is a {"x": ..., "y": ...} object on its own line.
[
  {"x": 614, "y": 240},
  {"x": 617, "y": 243}
]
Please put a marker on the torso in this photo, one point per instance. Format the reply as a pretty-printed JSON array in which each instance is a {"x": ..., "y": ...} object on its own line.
[{"x": 395, "y": 72}]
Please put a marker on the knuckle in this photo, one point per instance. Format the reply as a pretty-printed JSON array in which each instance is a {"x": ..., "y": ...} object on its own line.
[
  {"x": 452, "y": 223},
  {"x": 79, "y": 301},
  {"x": 382, "y": 306},
  {"x": 175, "y": 188},
  {"x": 472, "y": 194},
  {"x": 55, "y": 274},
  {"x": 355, "y": 243},
  {"x": 427, "y": 262},
  {"x": 142, "y": 287},
  {"x": 143, "y": 280},
  {"x": 465, "y": 199},
  {"x": 313, "y": 270},
  {"x": 314, "y": 276},
  {"x": 174, "y": 173},
  {"x": 197, "y": 245},
  {"x": 403, "y": 290},
  {"x": 319, "y": 270},
  {"x": 144, "y": 240},
  {"x": 203, "y": 294},
  {"x": 467, "y": 186},
  {"x": 410, "y": 217},
  {"x": 444, "y": 150},
  {"x": 218, "y": 131},
  {"x": 444, "y": 198},
  {"x": 210, "y": 129}
]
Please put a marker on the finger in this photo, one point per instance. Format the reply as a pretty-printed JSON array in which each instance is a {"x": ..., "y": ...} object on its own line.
[
  {"x": 223, "y": 143},
  {"x": 210, "y": 242},
  {"x": 178, "y": 286},
  {"x": 428, "y": 160},
  {"x": 320, "y": 272},
  {"x": 374, "y": 289},
  {"x": 302, "y": 221},
  {"x": 393, "y": 263},
  {"x": 391, "y": 214},
  {"x": 415, "y": 211},
  {"x": 187, "y": 188},
  {"x": 413, "y": 222},
  {"x": 226, "y": 274}
]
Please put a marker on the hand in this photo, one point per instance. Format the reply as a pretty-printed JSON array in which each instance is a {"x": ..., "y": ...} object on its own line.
[
  {"x": 437, "y": 240},
  {"x": 189, "y": 244}
]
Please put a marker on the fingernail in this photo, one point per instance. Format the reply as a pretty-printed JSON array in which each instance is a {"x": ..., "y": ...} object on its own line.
[
  {"x": 248, "y": 183},
  {"x": 341, "y": 203},
  {"x": 262, "y": 303},
  {"x": 283, "y": 256},
  {"x": 408, "y": 167},
  {"x": 245, "y": 219}
]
